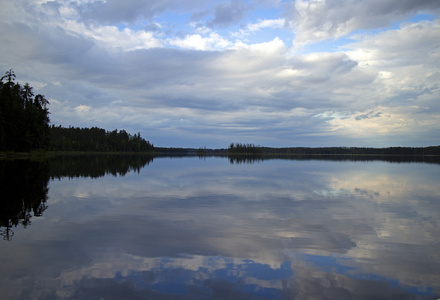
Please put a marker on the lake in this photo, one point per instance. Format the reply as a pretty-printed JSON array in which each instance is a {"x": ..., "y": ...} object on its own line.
[{"x": 134, "y": 227}]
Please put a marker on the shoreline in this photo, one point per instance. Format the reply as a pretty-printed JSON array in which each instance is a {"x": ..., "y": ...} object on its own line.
[{"x": 263, "y": 153}]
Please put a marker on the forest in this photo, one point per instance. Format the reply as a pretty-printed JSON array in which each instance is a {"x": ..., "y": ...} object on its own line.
[
  {"x": 24, "y": 117},
  {"x": 402, "y": 151},
  {"x": 24, "y": 126},
  {"x": 250, "y": 149},
  {"x": 96, "y": 140},
  {"x": 239, "y": 148}
]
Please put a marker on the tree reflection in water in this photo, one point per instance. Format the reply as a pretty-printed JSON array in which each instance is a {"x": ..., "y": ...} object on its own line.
[
  {"x": 24, "y": 193},
  {"x": 24, "y": 183}
]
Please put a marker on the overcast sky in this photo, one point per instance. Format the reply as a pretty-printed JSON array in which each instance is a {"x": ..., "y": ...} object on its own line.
[{"x": 195, "y": 73}]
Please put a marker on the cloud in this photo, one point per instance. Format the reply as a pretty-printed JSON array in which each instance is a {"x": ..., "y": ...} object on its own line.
[
  {"x": 228, "y": 14},
  {"x": 120, "y": 11},
  {"x": 197, "y": 42},
  {"x": 82, "y": 108},
  {"x": 315, "y": 20},
  {"x": 369, "y": 115},
  {"x": 111, "y": 37},
  {"x": 411, "y": 44},
  {"x": 277, "y": 23},
  {"x": 213, "y": 77},
  {"x": 252, "y": 28},
  {"x": 383, "y": 121}
]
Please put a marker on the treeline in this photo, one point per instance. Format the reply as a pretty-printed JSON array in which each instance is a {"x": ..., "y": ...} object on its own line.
[
  {"x": 251, "y": 149},
  {"x": 24, "y": 117},
  {"x": 96, "y": 140},
  {"x": 24, "y": 126},
  {"x": 249, "y": 159},
  {"x": 404, "y": 151},
  {"x": 238, "y": 148}
]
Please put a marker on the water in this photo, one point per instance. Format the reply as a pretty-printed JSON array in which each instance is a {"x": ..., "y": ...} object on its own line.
[{"x": 191, "y": 228}]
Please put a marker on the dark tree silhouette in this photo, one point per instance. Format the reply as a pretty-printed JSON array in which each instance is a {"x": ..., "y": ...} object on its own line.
[
  {"x": 24, "y": 119},
  {"x": 244, "y": 149},
  {"x": 96, "y": 140}
]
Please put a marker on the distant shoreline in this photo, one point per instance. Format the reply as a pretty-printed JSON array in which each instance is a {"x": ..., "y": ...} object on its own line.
[
  {"x": 49, "y": 154},
  {"x": 350, "y": 151},
  {"x": 263, "y": 152},
  {"x": 233, "y": 158}
]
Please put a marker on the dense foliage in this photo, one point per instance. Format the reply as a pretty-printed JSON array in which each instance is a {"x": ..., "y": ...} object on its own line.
[
  {"x": 239, "y": 149},
  {"x": 24, "y": 117},
  {"x": 24, "y": 126},
  {"x": 244, "y": 149},
  {"x": 408, "y": 151},
  {"x": 96, "y": 139}
]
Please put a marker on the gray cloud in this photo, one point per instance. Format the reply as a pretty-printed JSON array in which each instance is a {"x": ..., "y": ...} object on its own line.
[
  {"x": 120, "y": 11},
  {"x": 228, "y": 14},
  {"x": 369, "y": 115},
  {"x": 100, "y": 75},
  {"x": 319, "y": 20}
]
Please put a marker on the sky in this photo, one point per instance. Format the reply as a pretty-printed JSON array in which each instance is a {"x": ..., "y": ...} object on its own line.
[{"x": 193, "y": 73}]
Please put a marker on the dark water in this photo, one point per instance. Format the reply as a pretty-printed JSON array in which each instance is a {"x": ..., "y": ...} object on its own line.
[{"x": 190, "y": 228}]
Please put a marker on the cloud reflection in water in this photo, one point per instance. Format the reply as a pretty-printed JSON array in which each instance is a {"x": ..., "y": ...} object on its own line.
[{"x": 286, "y": 229}]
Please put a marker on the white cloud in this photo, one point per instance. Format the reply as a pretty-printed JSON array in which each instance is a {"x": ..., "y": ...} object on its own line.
[
  {"x": 113, "y": 37},
  {"x": 412, "y": 44},
  {"x": 253, "y": 28},
  {"x": 252, "y": 60},
  {"x": 82, "y": 108},
  {"x": 195, "y": 41},
  {"x": 372, "y": 123},
  {"x": 276, "y": 23}
]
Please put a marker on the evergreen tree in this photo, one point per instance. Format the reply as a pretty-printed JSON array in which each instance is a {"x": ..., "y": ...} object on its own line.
[
  {"x": 24, "y": 119},
  {"x": 96, "y": 139}
]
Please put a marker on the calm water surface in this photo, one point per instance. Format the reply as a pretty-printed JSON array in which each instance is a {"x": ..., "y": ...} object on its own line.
[{"x": 190, "y": 228}]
